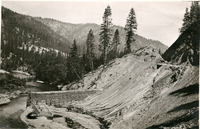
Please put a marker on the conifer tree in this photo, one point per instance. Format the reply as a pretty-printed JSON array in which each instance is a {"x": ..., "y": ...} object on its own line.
[
  {"x": 191, "y": 16},
  {"x": 116, "y": 42},
  {"x": 74, "y": 50},
  {"x": 130, "y": 27},
  {"x": 186, "y": 21},
  {"x": 106, "y": 33},
  {"x": 74, "y": 65},
  {"x": 90, "y": 49}
]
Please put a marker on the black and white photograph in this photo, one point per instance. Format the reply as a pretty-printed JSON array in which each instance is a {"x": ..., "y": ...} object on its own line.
[{"x": 101, "y": 64}]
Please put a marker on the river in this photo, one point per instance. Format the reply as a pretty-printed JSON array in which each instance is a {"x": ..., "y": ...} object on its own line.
[{"x": 10, "y": 113}]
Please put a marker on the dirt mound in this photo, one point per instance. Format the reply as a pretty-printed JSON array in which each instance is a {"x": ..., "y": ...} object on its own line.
[
  {"x": 147, "y": 53},
  {"x": 186, "y": 48}
]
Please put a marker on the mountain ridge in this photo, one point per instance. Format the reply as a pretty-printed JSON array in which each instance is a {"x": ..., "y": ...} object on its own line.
[{"x": 80, "y": 31}]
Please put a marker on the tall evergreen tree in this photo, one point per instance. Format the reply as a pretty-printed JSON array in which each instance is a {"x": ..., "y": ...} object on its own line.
[
  {"x": 186, "y": 21},
  {"x": 191, "y": 16},
  {"x": 116, "y": 42},
  {"x": 106, "y": 33},
  {"x": 74, "y": 69},
  {"x": 90, "y": 49},
  {"x": 130, "y": 27},
  {"x": 74, "y": 50}
]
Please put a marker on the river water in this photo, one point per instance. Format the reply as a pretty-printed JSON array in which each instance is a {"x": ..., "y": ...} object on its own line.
[{"x": 10, "y": 113}]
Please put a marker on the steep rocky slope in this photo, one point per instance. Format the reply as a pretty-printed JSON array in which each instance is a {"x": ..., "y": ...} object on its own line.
[
  {"x": 80, "y": 31},
  {"x": 135, "y": 93},
  {"x": 186, "y": 48}
]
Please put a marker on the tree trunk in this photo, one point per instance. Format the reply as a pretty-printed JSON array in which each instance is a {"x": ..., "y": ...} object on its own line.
[
  {"x": 105, "y": 56},
  {"x": 92, "y": 67}
]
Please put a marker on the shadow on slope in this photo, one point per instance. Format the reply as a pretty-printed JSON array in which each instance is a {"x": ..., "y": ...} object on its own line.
[
  {"x": 179, "y": 120},
  {"x": 192, "y": 115},
  {"x": 186, "y": 106},
  {"x": 191, "y": 89}
]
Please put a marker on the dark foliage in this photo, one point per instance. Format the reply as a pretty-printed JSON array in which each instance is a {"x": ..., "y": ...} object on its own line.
[{"x": 6, "y": 79}]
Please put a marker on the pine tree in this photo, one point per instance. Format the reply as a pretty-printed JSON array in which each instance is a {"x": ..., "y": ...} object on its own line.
[
  {"x": 116, "y": 42},
  {"x": 90, "y": 49},
  {"x": 106, "y": 33},
  {"x": 191, "y": 16},
  {"x": 74, "y": 50},
  {"x": 74, "y": 65},
  {"x": 130, "y": 27},
  {"x": 186, "y": 21}
]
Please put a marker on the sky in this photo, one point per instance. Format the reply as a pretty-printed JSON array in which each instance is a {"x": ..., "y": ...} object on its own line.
[{"x": 156, "y": 20}]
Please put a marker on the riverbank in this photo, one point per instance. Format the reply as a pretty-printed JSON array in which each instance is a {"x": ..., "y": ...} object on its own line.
[{"x": 6, "y": 97}]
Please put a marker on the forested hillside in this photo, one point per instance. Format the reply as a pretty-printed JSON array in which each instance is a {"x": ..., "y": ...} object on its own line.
[
  {"x": 23, "y": 40},
  {"x": 24, "y": 29}
]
